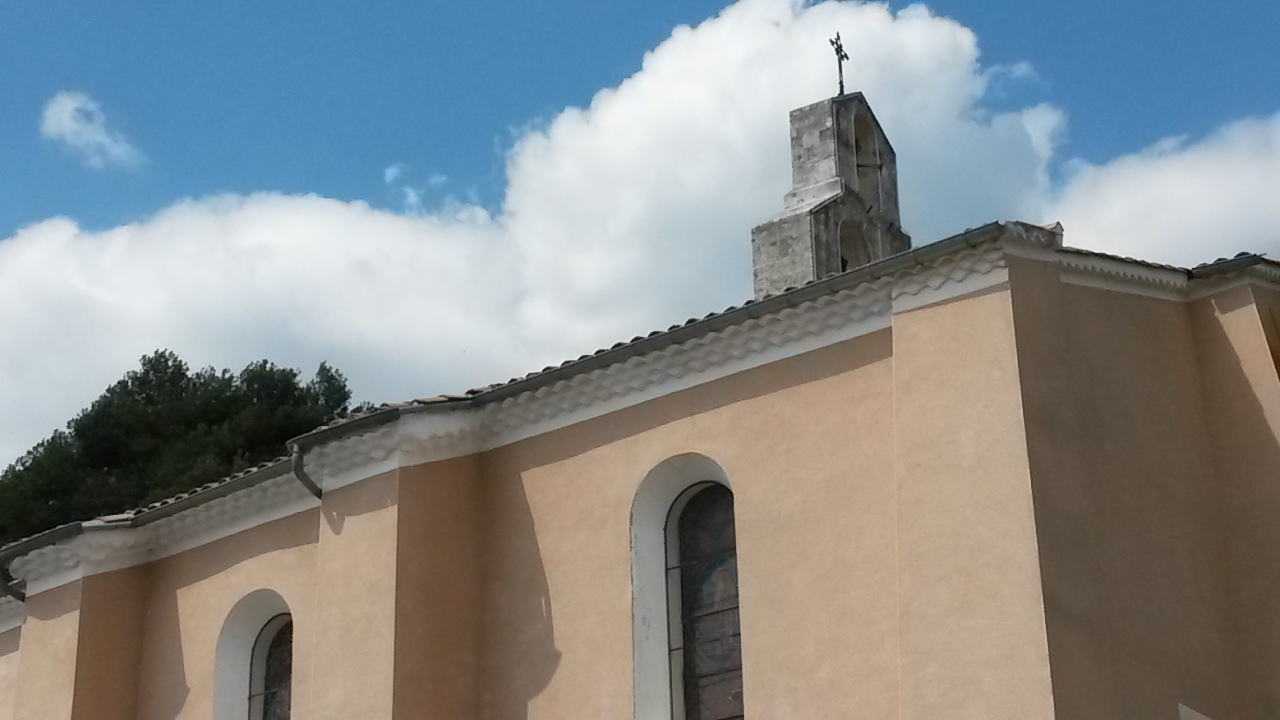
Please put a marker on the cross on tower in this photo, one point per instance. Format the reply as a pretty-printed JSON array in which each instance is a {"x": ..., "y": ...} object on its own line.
[{"x": 841, "y": 56}]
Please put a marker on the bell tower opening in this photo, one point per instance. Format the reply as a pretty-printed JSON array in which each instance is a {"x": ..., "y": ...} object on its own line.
[{"x": 842, "y": 210}]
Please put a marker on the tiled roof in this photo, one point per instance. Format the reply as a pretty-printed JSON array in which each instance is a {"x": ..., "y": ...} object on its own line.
[
  {"x": 195, "y": 493},
  {"x": 659, "y": 338},
  {"x": 680, "y": 332},
  {"x": 1242, "y": 259}
]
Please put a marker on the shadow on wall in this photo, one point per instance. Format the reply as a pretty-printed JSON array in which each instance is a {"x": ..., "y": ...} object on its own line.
[
  {"x": 520, "y": 654},
  {"x": 1153, "y": 468},
  {"x": 1247, "y": 457},
  {"x": 356, "y": 500},
  {"x": 164, "y": 686}
]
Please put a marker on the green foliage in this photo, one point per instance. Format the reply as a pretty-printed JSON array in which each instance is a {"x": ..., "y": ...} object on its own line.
[{"x": 160, "y": 431}]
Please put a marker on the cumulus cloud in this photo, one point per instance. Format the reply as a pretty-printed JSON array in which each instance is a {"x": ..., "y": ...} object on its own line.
[
  {"x": 1180, "y": 202},
  {"x": 630, "y": 214},
  {"x": 76, "y": 122},
  {"x": 227, "y": 279}
]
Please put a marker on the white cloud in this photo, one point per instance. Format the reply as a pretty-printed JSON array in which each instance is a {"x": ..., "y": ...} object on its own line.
[
  {"x": 1002, "y": 80},
  {"x": 412, "y": 200},
  {"x": 1179, "y": 202},
  {"x": 74, "y": 121},
  {"x": 627, "y": 215}
]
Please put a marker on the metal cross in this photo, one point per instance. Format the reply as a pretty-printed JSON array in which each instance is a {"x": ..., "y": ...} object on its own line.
[{"x": 841, "y": 56}]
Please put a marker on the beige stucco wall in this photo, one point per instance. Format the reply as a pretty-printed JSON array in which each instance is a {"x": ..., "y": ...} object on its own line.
[
  {"x": 47, "y": 649},
  {"x": 1268, "y": 302},
  {"x": 437, "y": 593},
  {"x": 807, "y": 446},
  {"x": 142, "y": 642},
  {"x": 354, "y": 633},
  {"x": 110, "y": 640},
  {"x": 1130, "y": 537},
  {"x": 189, "y": 596},
  {"x": 972, "y": 617},
  {"x": 1038, "y": 501},
  {"x": 1237, "y": 353},
  {"x": 9, "y": 642}
]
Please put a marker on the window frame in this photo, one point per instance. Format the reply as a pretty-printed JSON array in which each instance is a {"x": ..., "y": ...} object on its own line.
[
  {"x": 655, "y": 495},
  {"x": 258, "y": 662},
  {"x": 675, "y": 593},
  {"x": 237, "y": 642}
]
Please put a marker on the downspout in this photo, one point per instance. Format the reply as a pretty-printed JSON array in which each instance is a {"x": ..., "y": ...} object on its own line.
[{"x": 295, "y": 457}]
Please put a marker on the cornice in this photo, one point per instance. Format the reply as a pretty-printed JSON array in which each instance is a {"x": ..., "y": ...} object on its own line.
[
  {"x": 700, "y": 359},
  {"x": 1111, "y": 274},
  {"x": 951, "y": 277},
  {"x": 104, "y": 547},
  {"x": 436, "y": 432},
  {"x": 1140, "y": 278},
  {"x": 439, "y": 432},
  {"x": 1265, "y": 276},
  {"x": 412, "y": 439}
]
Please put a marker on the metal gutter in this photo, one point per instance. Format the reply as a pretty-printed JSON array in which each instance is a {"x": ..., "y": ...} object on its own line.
[
  {"x": 9, "y": 586},
  {"x": 1222, "y": 267},
  {"x": 372, "y": 420},
  {"x": 200, "y": 497}
]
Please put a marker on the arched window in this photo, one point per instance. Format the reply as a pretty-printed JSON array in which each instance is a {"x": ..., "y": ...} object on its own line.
[
  {"x": 254, "y": 659},
  {"x": 702, "y": 586},
  {"x": 271, "y": 670},
  {"x": 659, "y": 570}
]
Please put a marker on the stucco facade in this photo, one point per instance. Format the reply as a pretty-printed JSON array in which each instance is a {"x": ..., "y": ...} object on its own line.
[{"x": 990, "y": 478}]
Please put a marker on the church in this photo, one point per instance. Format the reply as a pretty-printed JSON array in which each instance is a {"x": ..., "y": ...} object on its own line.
[{"x": 993, "y": 478}]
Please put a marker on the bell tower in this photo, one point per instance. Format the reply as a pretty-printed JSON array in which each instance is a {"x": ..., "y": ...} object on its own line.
[{"x": 842, "y": 211}]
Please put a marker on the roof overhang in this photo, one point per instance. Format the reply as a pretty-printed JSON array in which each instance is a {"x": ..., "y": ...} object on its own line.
[{"x": 822, "y": 313}]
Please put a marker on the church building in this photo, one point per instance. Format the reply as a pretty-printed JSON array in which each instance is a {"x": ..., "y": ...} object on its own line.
[{"x": 989, "y": 478}]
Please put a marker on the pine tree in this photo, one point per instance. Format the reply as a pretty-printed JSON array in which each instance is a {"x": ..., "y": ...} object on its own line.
[{"x": 159, "y": 431}]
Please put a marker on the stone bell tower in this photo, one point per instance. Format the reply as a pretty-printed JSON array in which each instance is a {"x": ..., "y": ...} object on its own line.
[{"x": 842, "y": 211}]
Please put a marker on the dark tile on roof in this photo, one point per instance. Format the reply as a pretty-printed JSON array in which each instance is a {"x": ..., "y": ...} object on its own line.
[
  {"x": 495, "y": 390},
  {"x": 1237, "y": 256},
  {"x": 1121, "y": 258},
  {"x": 134, "y": 512}
]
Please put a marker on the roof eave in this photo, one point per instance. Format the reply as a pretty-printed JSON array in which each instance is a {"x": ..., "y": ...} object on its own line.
[{"x": 769, "y": 305}]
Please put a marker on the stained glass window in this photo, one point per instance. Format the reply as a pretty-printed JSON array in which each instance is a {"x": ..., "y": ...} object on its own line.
[
  {"x": 711, "y": 642},
  {"x": 272, "y": 672}
]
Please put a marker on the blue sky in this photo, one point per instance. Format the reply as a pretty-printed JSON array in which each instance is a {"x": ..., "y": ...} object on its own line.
[
  {"x": 433, "y": 196},
  {"x": 246, "y": 96}
]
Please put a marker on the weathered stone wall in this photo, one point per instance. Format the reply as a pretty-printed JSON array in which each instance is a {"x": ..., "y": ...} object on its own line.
[{"x": 842, "y": 210}]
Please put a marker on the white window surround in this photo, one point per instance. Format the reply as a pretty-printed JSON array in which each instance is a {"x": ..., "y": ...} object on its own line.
[
  {"x": 234, "y": 657},
  {"x": 651, "y": 620}
]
